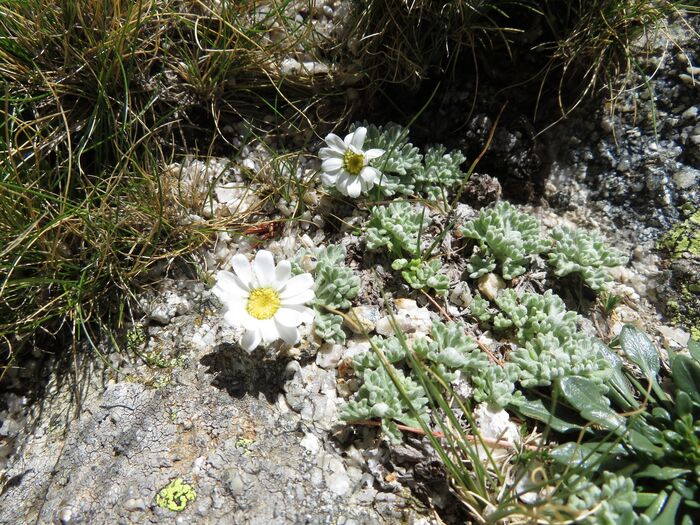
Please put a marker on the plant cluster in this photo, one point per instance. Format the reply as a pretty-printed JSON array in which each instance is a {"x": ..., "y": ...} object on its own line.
[
  {"x": 549, "y": 343},
  {"x": 657, "y": 448},
  {"x": 509, "y": 239},
  {"x": 406, "y": 172},
  {"x": 449, "y": 353},
  {"x": 396, "y": 227},
  {"x": 335, "y": 286},
  {"x": 576, "y": 251},
  {"x": 505, "y": 237},
  {"x": 422, "y": 275}
]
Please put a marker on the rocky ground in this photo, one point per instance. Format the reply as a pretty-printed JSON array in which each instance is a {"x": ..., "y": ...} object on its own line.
[{"x": 255, "y": 438}]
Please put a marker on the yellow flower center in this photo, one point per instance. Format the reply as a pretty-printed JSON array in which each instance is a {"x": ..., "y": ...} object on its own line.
[
  {"x": 263, "y": 303},
  {"x": 353, "y": 162}
]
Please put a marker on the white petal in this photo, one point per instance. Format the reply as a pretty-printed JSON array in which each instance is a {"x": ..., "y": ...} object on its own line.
[
  {"x": 354, "y": 187},
  {"x": 242, "y": 268},
  {"x": 289, "y": 334},
  {"x": 342, "y": 183},
  {"x": 328, "y": 179},
  {"x": 283, "y": 271},
  {"x": 300, "y": 298},
  {"x": 229, "y": 286},
  {"x": 332, "y": 165},
  {"x": 335, "y": 142},
  {"x": 234, "y": 318},
  {"x": 264, "y": 268},
  {"x": 358, "y": 138},
  {"x": 347, "y": 141},
  {"x": 373, "y": 153},
  {"x": 370, "y": 174},
  {"x": 288, "y": 317},
  {"x": 296, "y": 285},
  {"x": 330, "y": 153},
  {"x": 306, "y": 313},
  {"x": 249, "y": 322},
  {"x": 236, "y": 315},
  {"x": 269, "y": 330},
  {"x": 250, "y": 340}
]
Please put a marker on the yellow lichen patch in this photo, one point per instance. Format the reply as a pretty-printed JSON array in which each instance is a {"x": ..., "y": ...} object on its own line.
[
  {"x": 175, "y": 495},
  {"x": 263, "y": 303},
  {"x": 684, "y": 238}
]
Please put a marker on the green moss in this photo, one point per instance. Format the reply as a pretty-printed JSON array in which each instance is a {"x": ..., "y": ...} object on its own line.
[
  {"x": 175, "y": 495},
  {"x": 684, "y": 238}
]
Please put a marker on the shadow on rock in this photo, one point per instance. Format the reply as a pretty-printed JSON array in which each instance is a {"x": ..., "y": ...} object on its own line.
[{"x": 239, "y": 372}]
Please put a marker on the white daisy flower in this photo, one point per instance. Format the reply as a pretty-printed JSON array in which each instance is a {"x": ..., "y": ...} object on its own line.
[
  {"x": 345, "y": 165},
  {"x": 265, "y": 299}
]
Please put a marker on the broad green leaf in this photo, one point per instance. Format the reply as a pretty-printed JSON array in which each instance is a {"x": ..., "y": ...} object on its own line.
[
  {"x": 617, "y": 380},
  {"x": 661, "y": 413},
  {"x": 640, "y": 350},
  {"x": 684, "y": 487},
  {"x": 684, "y": 406},
  {"x": 536, "y": 410},
  {"x": 668, "y": 514},
  {"x": 686, "y": 376},
  {"x": 586, "y": 455},
  {"x": 694, "y": 349},
  {"x": 584, "y": 396},
  {"x": 641, "y": 443},
  {"x": 652, "y": 433},
  {"x": 661, "y": 473},
  {"x": 652, "y": 503}
]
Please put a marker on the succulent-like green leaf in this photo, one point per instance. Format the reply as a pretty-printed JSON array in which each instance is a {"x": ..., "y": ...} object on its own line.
[
  {"x": 506, "y": 235},
  {"x": 395, "y": 227},
  {"x": 329, "y": 327},
  {"x": 423, "y": 275},
  {"x": 577, "y": 251},
  {"x": 336, "y": 285}
]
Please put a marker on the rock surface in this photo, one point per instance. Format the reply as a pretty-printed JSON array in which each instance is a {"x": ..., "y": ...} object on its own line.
[{"x": 214, "y": 417}]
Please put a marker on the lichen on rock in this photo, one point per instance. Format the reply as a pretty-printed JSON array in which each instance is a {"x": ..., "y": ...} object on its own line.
[{"x": 175, "y": 496}]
